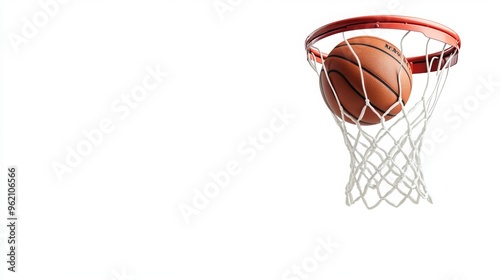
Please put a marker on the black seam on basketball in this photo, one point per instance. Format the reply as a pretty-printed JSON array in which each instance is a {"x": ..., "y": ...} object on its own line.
[
  {"x": 371, "y": 73},
  {"x": 377, "y": 48},
  {"x": 331, "y": 109},
  {"x": 357, "y": 92}
]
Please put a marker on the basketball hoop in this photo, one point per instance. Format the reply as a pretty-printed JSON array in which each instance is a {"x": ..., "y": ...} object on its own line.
[{"x": 385, "y": 157}]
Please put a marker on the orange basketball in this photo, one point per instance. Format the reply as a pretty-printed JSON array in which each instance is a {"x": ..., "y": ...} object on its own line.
[{"x": 382, "y": 64}]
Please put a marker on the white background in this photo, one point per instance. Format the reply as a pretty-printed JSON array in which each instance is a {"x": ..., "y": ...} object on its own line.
[{"x": 117, "y": 215}]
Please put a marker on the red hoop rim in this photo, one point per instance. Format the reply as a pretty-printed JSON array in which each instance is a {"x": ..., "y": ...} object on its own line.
[{"x": 418, "y": 64}]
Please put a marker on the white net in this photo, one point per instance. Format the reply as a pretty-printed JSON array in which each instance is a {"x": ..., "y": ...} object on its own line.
[{"x": 385, "y": 158}]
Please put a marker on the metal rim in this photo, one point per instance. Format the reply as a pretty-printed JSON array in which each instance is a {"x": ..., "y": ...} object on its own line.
[{"x": 418, "y": 64}]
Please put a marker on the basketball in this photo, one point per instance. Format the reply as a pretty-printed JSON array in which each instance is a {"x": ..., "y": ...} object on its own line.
[{"x": 387, "y": 75}]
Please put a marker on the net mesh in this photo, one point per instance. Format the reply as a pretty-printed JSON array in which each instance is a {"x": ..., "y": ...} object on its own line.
[{"x": 385, "y": 161}]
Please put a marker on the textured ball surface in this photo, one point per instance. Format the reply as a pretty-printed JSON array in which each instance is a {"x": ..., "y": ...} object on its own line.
[{"x": 386, "y": 74}]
